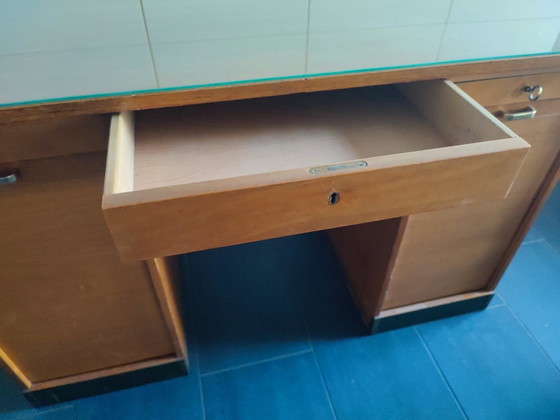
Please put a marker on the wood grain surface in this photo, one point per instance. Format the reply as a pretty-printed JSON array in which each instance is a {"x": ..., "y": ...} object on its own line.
[
  {"x": 367, "y": 252},
  {"x": 144, "y": 224},
  {"x": 50, "y": 138},
  {"x": 69, "y": 305},
  {"x": 164, "y": 273},
  {"x": 509, "y": 90},
  {"x": 219, "y": 141},
  {"x": 467, "y": 248},
  {"x": 245, "y": 177}
]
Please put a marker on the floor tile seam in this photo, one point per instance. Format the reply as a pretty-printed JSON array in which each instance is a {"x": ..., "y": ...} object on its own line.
[
  {"x": 498, "y": 305},
  {"x": 556, "y": 248},
  {"x": 527, "y": 331},
  {"x": 201, "y": 390},
  {"x": 440, "y": 372},
  {"x": 74, "y": 411},
  {"x": 255, "y": 363},
  {"x": 303, "y": 316},
  {"x": 497, "y": 292},
  {"x": 552, "y": 246},
  {"x": 324, "y": 384},
  {"x": 189, "y": 311},
  {"x": 319, "y": 370},
  {"x": 524, "y": 327},
  {"x": 533, "y": 241},
  {"x": 546, "y": 234},
  {"x": 312, "y": 346},
  {"x": 535, "y": 229},
  {"x": 39, "y": 412}
]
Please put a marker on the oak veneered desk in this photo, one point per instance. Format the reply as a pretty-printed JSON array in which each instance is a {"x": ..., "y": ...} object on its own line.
[{"x": 416, "y": 212}]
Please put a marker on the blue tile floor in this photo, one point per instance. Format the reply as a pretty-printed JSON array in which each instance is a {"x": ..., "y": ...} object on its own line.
[{"x": 273, "y": 334}]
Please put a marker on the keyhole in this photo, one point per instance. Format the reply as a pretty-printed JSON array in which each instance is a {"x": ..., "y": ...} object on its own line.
[{"x": 333, "y": 198}]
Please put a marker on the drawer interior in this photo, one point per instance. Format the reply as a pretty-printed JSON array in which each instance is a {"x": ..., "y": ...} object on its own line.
[
  {"x": 198, "y": 177},
  {"x": 227, "y": 140}
]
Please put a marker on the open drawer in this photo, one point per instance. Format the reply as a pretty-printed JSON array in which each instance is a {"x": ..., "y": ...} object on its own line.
[{"x": 198, "y": 177}]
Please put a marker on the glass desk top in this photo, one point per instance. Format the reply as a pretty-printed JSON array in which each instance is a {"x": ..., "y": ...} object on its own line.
[{"x": 56, "y": 49}]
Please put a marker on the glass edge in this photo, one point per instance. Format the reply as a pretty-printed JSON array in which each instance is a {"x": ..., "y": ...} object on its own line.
[{"x": 262, "y": 80}]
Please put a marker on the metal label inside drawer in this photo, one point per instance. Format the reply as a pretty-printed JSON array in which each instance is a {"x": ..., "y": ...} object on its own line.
[{"x": 338, "y": 167}]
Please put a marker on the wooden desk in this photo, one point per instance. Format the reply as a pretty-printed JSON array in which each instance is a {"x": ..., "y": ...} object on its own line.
[{"x": 76, "y": 320}]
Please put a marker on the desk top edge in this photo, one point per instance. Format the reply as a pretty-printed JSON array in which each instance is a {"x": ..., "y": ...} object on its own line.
[{"x": 463, "y": 71}]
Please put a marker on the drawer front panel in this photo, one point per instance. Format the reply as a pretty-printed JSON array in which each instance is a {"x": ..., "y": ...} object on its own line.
[
  {"x": 56, "y": 137},
  {"x": 152, "y": 223},
  {"x": 510, "y": 90},
  {"x": 214, "y": 176}
]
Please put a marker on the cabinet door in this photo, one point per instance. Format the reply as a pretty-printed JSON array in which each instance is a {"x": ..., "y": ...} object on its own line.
[
  {"x": 68, "y": 305},
  {"x": 458, "y": 250}
]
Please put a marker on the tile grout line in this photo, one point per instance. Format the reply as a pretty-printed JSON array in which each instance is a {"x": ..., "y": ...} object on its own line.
[
  {"x": 325, "y": 389},
  {"x": 202, "y": 405},
  {"x": 73, "y": 50},
  {"x": 374, "y": 28},
  {"x": 504, "y": 20},
  {"x": 552, "y": 246},
  {"x": 258, "y": 362},
  {"x": 40, "y": 411},
  {"x": 497, "y": 292},
  {"x": 149, "y": 43},
  {"x": 532, "y": 241},
  {"x": 234, "y": 38},
  {"x": 188, "y": 297},
  {"x": 444, "y": 30},
  {"x": 498, "y": 305},
  {"x": 521, "y": 323},
  {"x": 310, "y": 343},
  {"x": 441, "y": 374},
  {"x": 307, "y": 37},
  {"x": 196, "y": 342},
  {"x": 534, "y": 224},
  {"x": 531, "y": 336},
  {"x": 352, "y": 30},
  {"x": 556, "y": 44}
]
